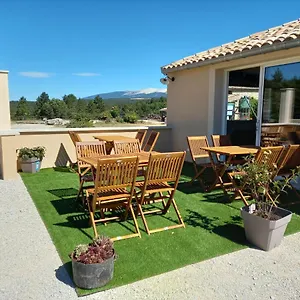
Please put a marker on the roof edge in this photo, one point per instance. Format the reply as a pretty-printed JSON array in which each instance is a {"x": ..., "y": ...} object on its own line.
[{"x": 252, "y": 52}]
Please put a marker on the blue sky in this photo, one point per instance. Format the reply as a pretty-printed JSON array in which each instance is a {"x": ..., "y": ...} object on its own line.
[{"x": 93, "y": 46}]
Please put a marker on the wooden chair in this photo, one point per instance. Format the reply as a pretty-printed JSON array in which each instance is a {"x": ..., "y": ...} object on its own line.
[
  {"x": 163, "y": 168},
  {"x": 114, "y": 188},
  {"x": 272, "y": 159},
  {"x": 140, "y": 135},
  {"x": 87, "y": 149},
  {"x": 290, "y": 162},
  {"x": 126, "y": 147},
  {"x": 225, "y": 140},
  {"x": 149, "y": 145},
  {"x": 194, "y": 143},
  {"x": 75, "y": 137}
]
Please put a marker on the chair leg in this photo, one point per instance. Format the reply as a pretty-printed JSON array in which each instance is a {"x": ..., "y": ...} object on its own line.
[
  {"x": 135, "y": 221},
  {"x": 143, "y": 218},
  {"x": 177, "y": 212},
  {"x": 80, "y": 190},
  {"x": 92, "y": 220}
]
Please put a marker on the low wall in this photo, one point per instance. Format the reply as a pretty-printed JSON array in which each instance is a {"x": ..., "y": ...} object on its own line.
[{"x": 60, "y": 150}]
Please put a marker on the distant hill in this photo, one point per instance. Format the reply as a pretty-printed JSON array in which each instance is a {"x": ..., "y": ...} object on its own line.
[{"x": 141, "y": 94}]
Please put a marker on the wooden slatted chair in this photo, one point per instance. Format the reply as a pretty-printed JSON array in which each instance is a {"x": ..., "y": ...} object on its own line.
[
  {"x": 224, "y": 140},
  {"x": 290, "y": 162},
  {"x": 272, "y": 160},
  {"x": 150, "y": 144},
  {"x": 75, "y": 137},
  {"x": 83, "y": 150},
  {"x": 163, "y": 168},
  {"x": 127, "y": 147},
  {"x": 194, "y": 143},
  {"x": 113, "y": 188},
  {"x": 140, "y": 135}
]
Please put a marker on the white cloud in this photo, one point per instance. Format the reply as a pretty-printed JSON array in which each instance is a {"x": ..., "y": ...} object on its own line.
[
  {"x": 35, "y": 74},
  {"x": 86, "y": 74}
]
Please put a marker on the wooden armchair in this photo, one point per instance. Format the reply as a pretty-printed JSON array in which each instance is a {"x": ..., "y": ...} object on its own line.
[
  {"x": 141, "y": 136},
  {"x": 194, "y": 143},
  {"x": 163, "y": 168},
  {"x": 75, "y": 137},
  {"x": 83, "y": 150},
  {"x": 125, "y": 147},
  {"x": 272, "y": 160},
  {"x": 150, "y": 144},
  {"x": 113, "y": 189}
]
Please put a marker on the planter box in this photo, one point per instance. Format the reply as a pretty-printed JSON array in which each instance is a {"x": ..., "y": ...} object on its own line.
[
  {"x": 263, "y": 233},
  {"x": 31, "y": 165},
  {"x": 90, "y": 276}
]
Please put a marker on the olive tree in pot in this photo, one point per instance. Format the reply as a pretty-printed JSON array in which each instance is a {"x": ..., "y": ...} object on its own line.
[
  {"x": 264, "y": 222},
  {"x": 93, "y": 264},
  {"x": 31, "y": 158}
]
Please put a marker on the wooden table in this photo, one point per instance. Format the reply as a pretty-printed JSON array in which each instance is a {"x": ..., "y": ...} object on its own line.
[
  {"x": 143, "y": 158},
  {"x": 230, "y": 152},
  {"x": 109, "y": 139}
]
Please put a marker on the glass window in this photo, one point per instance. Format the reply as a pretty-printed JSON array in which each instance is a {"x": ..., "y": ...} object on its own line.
[{"x": 282, "y": 94}]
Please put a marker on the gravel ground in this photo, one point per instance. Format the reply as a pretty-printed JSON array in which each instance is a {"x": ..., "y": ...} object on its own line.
[{"x": 31, "y": 269}]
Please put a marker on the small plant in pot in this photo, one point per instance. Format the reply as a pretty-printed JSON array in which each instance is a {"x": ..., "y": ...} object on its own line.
[
  {"x": 264, "y": 222},
  {"x": 93, "y": 264},
  {"x": 31, "y": 158}
]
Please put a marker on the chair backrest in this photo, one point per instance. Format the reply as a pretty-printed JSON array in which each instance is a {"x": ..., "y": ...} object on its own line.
[
  {"x": 194, "y": 143},
  {"x": 114, "y": 173},
  {"x": 127, "y": 147},
  {"x": 89, "y": 149},
  {"x": 221, "y": 140},
  {"x": 149, "y": 145},
  {"x": 140, "y": 135},
  {"x": 75, "y": 137},
  {"x": 270, "y": 156},
  {"x": 164, "y": 167},
  {"x": 291, "y": 160}
]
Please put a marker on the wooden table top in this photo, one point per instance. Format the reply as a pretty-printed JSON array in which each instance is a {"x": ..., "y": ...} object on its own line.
[
  {"x": 143, "y": 157},
  {"x": 111, "y": 138},
  {"x": 232, "y": 150}
]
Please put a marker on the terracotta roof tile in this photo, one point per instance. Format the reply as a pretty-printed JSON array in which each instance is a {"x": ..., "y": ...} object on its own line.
[{"x": 275, "y": 35}]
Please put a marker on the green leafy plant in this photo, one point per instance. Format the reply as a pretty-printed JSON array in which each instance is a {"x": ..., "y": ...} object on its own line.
[
  {"x": 257, "y": 178},
  {"x": 99, "y": 250},
  {"x": 27, "y": 153}
]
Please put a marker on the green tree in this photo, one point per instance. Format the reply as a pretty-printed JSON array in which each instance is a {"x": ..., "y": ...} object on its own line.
[
  {"x": 46, "y": 111},
  {"x": 40, "y": 102},
  {"x": 59, "y": 107},
  {"x": 22, "y": 111},
  {"x": 100, "y": 105}
]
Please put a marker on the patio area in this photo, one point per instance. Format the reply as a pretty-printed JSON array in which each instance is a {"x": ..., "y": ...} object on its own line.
[{"x": 213, "y": 228}]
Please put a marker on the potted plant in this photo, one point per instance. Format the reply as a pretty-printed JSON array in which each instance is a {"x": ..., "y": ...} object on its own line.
[
  {"x": 31, "y": 158},
  {"x": 93, "y": 264},
  {"x": 264, "y": 222}
]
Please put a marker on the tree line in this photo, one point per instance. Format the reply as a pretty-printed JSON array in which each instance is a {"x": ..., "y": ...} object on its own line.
[{"x": 80, "y": 112}]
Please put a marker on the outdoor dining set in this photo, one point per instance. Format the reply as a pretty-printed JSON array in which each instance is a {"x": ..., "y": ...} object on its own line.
[
  {"x": 222, "y": 157},
  {"x": 120, "y": 173}
]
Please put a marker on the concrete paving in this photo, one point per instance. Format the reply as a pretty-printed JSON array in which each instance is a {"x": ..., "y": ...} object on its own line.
[{"x": 31, "y": 268}]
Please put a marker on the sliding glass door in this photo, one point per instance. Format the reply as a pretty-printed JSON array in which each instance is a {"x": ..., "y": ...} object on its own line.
[{"x": 281, "y": 102}]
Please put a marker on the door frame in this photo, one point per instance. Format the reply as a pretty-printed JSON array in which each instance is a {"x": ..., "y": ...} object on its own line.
[{"x": 262, "y": 69}]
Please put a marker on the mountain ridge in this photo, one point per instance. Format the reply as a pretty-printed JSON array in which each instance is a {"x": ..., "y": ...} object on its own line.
[{"x": 139, "y": 94}]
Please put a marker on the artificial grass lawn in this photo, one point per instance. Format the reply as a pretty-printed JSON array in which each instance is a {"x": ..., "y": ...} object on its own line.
[{"x": 213, "y": 227}]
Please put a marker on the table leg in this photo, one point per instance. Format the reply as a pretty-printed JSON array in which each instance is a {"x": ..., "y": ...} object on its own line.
[{"x": 220, "y": 173}]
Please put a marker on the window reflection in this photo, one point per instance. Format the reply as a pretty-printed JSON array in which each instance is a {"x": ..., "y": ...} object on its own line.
[{"x": 282, "y": 94}]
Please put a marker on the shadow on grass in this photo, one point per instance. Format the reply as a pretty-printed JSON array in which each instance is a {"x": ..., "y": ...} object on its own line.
[
  {"x": 68, "y": 192},
  {"x": 231, "y": 230},
  {"x": 63, "y": 274},
  {"x": 63, "y": 169}
]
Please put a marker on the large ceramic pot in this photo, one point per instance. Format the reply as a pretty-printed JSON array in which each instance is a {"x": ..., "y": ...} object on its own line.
[
  {"x": 263, "y": 233},
  {"x": 30, "y": 165},
  {"x": 90, "y": 276}
]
